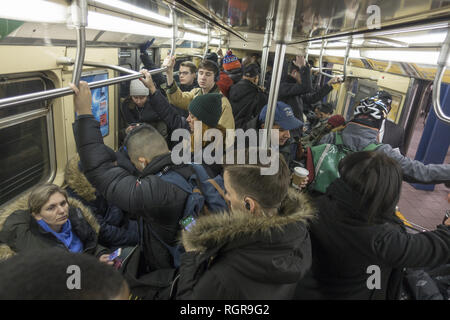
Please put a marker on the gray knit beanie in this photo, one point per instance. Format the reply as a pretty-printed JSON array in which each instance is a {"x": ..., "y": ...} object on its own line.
[{"x": 137, "y": 88}]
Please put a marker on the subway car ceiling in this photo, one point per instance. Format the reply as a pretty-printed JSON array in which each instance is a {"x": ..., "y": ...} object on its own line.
[
  {"x": 389, "y": 48},
  {"x": 400, "y": 37}
]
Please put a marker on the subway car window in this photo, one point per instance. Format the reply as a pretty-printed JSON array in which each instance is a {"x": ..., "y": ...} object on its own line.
[
  {"x": 11, "y": 88},
  {"x": 25, "y": 157}
]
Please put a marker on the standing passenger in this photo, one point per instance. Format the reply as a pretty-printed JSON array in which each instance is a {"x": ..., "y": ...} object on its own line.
[
  {"x": 207, "y": 73},
  {"x": 256, "y": 251},
  {"x": 357, "y": 232},
  {"x": 246, "y": 98},
  {"x": 136, "y": 109}
]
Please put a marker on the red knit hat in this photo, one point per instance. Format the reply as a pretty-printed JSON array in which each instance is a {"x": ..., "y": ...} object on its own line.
[{"x": 336, "y": 121}]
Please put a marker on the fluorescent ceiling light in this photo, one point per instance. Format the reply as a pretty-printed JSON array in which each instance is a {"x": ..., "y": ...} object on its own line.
[
  {"x": 194, "y": 37},
  {"x": 354, "y": 53},
  {"x": 100, "y": 21},
  {"x": 126, "y": 7},
  {"x": 341, "y": 53},
  {"x": 34, "y": 11},
  {"x": 421, "y": 38},
  {"x": 215, "y": 41},
  {"x": 409, "y": 56},
  {"x": 195, "y": 28}
]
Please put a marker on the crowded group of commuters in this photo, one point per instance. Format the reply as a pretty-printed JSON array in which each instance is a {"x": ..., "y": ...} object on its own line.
[{"x": 271, "y": 241}]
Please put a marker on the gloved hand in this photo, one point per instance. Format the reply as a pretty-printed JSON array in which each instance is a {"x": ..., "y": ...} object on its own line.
[{"x": 143, "y": 47}]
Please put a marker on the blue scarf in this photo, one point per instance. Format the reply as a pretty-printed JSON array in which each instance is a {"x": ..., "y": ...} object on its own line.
[{"x": 66, "y": 236}]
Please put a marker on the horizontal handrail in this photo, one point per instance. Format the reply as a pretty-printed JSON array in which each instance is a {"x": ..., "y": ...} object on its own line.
[
  {"x": 60, "y": 92},
  {"x": 70, "y": 61}
]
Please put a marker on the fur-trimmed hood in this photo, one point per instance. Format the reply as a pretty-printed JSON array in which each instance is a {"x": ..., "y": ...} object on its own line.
[
  {"x": 217, "y": 230},
  {"x": 21, "y": 204},
  {"x": 76, "y": 180}
]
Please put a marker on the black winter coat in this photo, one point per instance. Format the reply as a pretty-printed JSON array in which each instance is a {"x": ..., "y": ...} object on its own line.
[
  {"x": 138, "y": 115},
  {"x": 157, "y": 204},
  {"x": 247, "y": 101},
  {"x": 344, "y": 245},
  {"x": 22, "y": 233},
  {"x": 237, "y": 255}
]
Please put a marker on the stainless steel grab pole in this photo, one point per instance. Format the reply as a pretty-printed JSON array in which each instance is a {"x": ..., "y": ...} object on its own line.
[
  {"x": 79, "y": 19},
  {"x": 442, "y": 62},
  {"x": 174, "y": 30},
  {"x": 267, "y": 42},
  {"x": 282, "y": 34}
]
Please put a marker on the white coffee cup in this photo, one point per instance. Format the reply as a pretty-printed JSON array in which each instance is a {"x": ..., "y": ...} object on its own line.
[{"x": 300, "y": 174}]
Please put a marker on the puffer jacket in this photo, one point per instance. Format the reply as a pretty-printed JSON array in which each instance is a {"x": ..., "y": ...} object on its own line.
[
  {"x": 345, "y": 245},
  {"x": 237, "y": 255},
  {"x": 156, "y": 204},
  {"x": 20, "y": 232},
  {"x": 356, "y": 137},
  {"x": 247, "y": 101},
  {"x": 116, "y": 230}
]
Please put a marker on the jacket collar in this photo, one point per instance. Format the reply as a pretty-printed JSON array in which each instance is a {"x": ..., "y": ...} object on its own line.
[
  {"x": 237, "y": 227},
  {"x": 157, "y": 164}
]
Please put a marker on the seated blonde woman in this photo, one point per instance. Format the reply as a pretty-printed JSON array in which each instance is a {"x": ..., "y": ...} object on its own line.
[{"x": 49, "y": 219}]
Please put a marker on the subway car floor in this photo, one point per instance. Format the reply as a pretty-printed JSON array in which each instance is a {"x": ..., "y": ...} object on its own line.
[{"x": 425, "y": 208}]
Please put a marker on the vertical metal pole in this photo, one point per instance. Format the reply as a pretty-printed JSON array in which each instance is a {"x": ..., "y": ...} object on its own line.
[
  {"x": 174, "y": 31},
  {"x": 442, "y": 63},
  {"x": 282, "y": 35},
  {"x": 207, "y": 41},
  {"x": 79, "y": 19},
  {"x": 267, "y": 42}
]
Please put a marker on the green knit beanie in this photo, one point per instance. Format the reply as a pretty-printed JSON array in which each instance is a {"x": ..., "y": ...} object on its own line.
[{"x": 207, "y": 108}]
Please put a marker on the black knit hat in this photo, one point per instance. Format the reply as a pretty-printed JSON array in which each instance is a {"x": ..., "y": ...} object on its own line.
[{"x": 207, "y": 108}]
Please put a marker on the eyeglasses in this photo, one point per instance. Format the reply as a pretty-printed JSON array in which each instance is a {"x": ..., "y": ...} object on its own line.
[{"x": 184, "y": 73}]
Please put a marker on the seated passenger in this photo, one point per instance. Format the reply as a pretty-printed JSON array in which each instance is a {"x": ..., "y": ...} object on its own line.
[
  {"x": 257, "y": 250},
  {"x": 322, "y": 111},
  {"x": 51, "y": 275},
  {"x": 207, "y": 72},
  {"x": 116, "y": 230},
  {"x": 246, "y": 98},
  {"x": 47, "y": 219},
  {"x": 363, "y": 130},
  {"x": 323, "y": 128},
  {"x": 358, "y": 232},
  {"x": 136, "y": 109}
]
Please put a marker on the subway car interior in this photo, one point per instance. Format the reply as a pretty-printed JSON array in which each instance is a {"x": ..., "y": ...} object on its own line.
[{"x": 399, "y": 46}]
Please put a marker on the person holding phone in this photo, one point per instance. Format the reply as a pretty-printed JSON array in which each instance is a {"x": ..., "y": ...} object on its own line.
[{"x": 259, "y": 249}]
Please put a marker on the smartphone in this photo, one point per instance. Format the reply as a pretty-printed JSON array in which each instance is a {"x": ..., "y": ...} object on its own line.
[
  {"x": 188, "y": 223},
  {"x": 115, "y": 254}
]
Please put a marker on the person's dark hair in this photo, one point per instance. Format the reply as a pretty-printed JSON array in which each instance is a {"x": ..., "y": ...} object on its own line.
[
  {"x": 268, "y": 190},
  {"x": 145, "y": 141},
  {"x": 45, "y": 275},
  {"x": 377, "y": 179},
  {"x": 292, "y": 67},
  {"x": 325, "y": 107},
  {"x": 210, "y": 66},
  {"x": 192, "y": 67}
]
